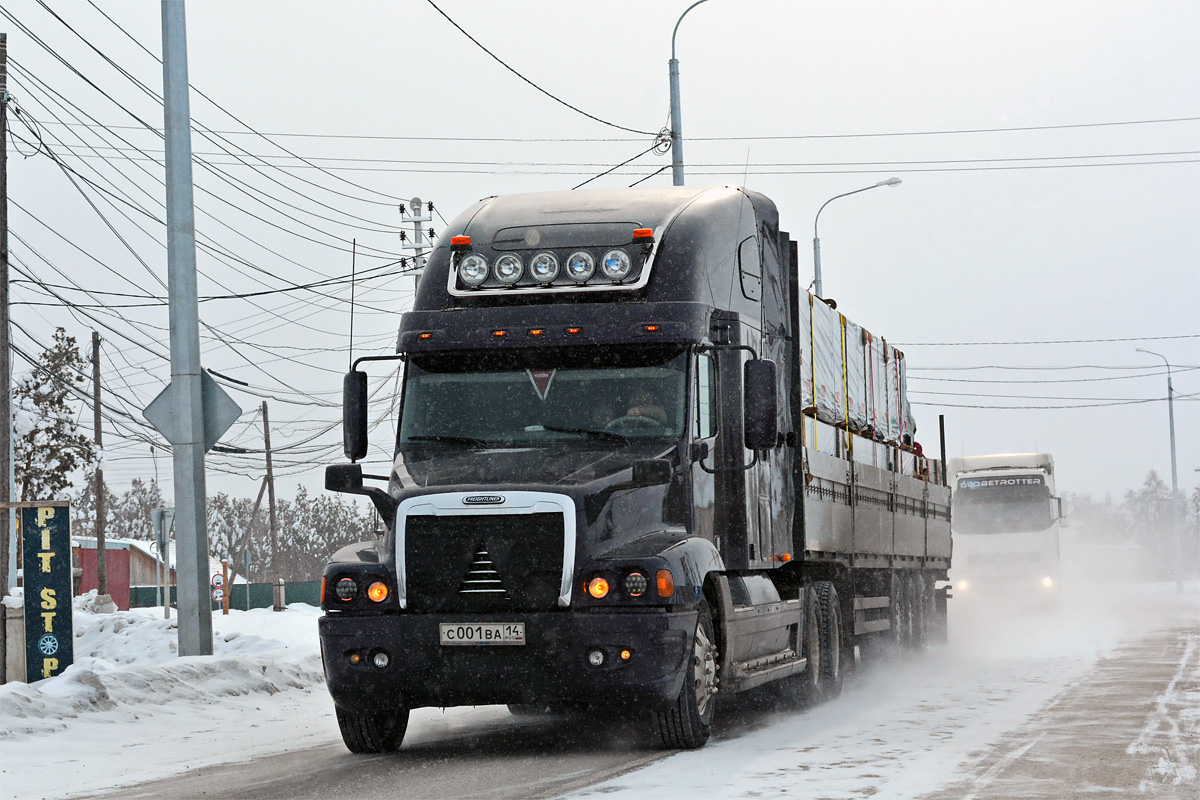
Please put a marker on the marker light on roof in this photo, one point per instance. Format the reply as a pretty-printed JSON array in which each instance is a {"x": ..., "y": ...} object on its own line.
[
  {"x": 581, "y": 266},
  {"x": 473, "y": 269},
  {"x": 616, "y": 265},
  {"x": 543, "y": 268},
  {"x": 508, "y": 269}
]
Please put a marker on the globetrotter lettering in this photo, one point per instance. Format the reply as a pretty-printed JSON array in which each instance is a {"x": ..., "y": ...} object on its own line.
[{"x": 980, "y": 483}]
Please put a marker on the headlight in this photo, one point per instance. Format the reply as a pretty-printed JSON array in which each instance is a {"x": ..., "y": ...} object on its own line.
[
  {"x": 616, "y": 265},
  {"x": 597, "y": 587},
  {"x": 963, "y": 586},
  {"x": 581, "y": 266},
  {"x": 508, "y": 269},
  {"x": 473, "y": 269},
  {"x": 377, "y": 591},
  {"x": 1047, "y": 581},
  {"x": 346, "y": 589},
  {"x": 544, "y": 267},
  {"x": 636, "y": 584}
]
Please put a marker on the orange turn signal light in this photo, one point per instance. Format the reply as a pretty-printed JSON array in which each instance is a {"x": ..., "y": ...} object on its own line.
[
  {"x": 597, "y": 587},
  {"x": 666, "y": 583},
  {"x": 377, "y": 591},
  {"x": 323, "y": 579},
  {"x": 626, "y": 654}
]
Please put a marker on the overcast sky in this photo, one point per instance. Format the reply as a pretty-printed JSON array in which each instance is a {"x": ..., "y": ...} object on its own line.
[{"x": 1048, "y": 151}]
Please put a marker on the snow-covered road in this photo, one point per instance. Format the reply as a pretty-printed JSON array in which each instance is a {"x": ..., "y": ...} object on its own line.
[{"x": 955, "y": 721}]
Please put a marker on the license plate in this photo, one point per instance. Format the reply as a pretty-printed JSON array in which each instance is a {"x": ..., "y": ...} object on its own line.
[{"x": 481, "y": 633}]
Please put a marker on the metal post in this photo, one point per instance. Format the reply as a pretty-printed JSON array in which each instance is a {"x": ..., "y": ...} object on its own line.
[
  {"x": 1175, "y": 521},
  {"x": 195, "y": 610},
  {"x": 676, "y": 120},
  {"x": 270, "y": 494},
  {"x": 1175, "y": 488},
  {"x": 7, "y": 535},
  {"x": 101, "y": 553}
]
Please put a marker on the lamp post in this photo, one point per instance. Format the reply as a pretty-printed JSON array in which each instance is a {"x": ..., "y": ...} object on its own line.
[
  {"x": 816, "y": 239},
  {"x": 1178, "y": 567},
  {"x": 676, "y": 124}
]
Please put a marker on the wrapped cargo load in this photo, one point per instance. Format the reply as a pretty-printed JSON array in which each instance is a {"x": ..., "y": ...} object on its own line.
[
  {"x": 856, "y": 376},
  {"x": 877, "y": 387},
  {"x": 908, "y": 421},
  {"x": 828, "y": 394},
  {"x": 804, "y": 345},
  {"x": 895, "y": 429}
]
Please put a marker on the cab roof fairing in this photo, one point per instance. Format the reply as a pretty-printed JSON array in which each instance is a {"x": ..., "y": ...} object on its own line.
[{"x": 690, "y": 223}]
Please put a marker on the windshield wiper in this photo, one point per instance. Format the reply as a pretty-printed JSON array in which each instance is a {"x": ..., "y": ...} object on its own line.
[
  {"x": 607, "y": 436},
  {"x": 445, "y": 437}
]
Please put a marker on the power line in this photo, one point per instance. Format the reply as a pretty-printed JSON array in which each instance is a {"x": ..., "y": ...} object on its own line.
[
  {"x": 735, "y": 138},
  {"x": 1051, "y": 341},
  {"x": 559, "y": 100}
]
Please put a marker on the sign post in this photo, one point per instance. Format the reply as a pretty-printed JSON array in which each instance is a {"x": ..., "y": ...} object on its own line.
[{"x": 49, "y": 625}]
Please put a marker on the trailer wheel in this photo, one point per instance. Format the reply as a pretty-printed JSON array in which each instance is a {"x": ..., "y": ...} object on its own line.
[
  {"x": 687, "y": 724},
  {"x": 902, "y": 611},
  {"x": 920, "y": 613},
  {"x": 381, "y": 732},
  {"x": 829, "y": 626}
]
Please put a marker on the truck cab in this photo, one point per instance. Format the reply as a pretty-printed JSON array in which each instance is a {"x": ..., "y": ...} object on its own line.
[{"x": 1006, "y": 523}]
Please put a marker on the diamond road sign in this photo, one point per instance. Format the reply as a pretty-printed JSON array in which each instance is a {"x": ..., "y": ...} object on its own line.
[{"x": 220, "y": 411}]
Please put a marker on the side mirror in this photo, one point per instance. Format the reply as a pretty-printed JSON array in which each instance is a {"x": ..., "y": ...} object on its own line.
[
  {"x": 1062, "y": 511},
  {"x": 354, "y": 415},
  {"x": 344, "y": 478},
  {"x": 651, "y": 471},
  {"x": 760, "y": 405}
]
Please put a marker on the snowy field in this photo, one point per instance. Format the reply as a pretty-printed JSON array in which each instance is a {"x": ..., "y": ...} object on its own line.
[{"x": 130, "y": 710}]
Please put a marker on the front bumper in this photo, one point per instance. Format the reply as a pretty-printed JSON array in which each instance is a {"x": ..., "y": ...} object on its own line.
[{"x": 551, "y": 667}]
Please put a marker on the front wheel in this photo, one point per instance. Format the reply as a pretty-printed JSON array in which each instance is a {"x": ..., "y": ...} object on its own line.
[
  {"x": 381, "y": 732},
  {"x": 686, "y": 725},
  {"x": 829, "y": 626}
]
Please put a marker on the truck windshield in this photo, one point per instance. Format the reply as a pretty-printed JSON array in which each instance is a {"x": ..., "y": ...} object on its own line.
[
  {"x": 1002, "y": 504},
  {"x": 528, "y": 397}
]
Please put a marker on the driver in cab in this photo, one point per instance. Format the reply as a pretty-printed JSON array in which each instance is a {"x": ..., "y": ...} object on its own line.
[{"x": 643, "y": 405}]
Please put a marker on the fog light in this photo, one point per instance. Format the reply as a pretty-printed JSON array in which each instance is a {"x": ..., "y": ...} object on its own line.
[
  {"x": 626, "y": 654},
  {"x": 377, "y": 591},
  {"x": 598, "y": 587},
  {"x": 381, "y": 660},
  {"x": 635, "y": 584},
  {"x": 346, "y": 589},
  {"x": 596, "y": 658},
  {"x": 354, "y": 658}
]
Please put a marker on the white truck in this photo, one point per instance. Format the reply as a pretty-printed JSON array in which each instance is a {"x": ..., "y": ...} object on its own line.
[{"x": 1005, "y": 523}]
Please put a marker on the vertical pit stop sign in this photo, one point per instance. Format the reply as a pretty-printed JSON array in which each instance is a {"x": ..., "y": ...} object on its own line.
[
  {"x": 49, "y": 624},
  {"x": 218, "y": 588}
]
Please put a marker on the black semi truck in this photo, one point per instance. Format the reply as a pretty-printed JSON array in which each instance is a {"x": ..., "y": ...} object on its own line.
[{"x": 636, "y": 465}]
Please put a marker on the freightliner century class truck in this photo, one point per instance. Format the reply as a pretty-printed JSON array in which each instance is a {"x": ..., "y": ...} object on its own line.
[{"x": 636, "y": 465}]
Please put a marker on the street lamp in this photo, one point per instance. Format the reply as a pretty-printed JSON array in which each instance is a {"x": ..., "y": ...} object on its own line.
[
  {"x": 1178, "y": 568},
  {"x": 817, "y": 241},
  {"x": 676, "y": 125}
]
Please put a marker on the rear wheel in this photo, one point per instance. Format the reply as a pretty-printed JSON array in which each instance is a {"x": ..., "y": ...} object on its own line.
[
  {"x": 921, "y": 611},
  {"x": 381, "y": 732},
  {"x": 687, "y": 724},
  {"x": 829, "y": 627}
]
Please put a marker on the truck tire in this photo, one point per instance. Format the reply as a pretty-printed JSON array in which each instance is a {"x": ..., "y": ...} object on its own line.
[
  {"x": 687, "y": 724},
  {"x": 381, "y": 732},
  {"x": 829, "y": 626}
]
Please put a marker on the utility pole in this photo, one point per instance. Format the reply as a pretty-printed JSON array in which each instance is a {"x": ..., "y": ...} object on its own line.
[
  {"x": 191, "y": 531},
  {"x": 5, "y": 365},
  {"x": 101, "y": 556},
  {"x": 270, "y": 492}
]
